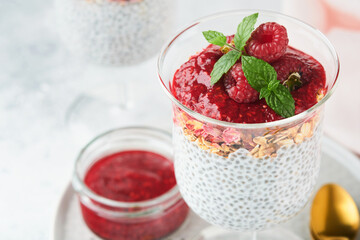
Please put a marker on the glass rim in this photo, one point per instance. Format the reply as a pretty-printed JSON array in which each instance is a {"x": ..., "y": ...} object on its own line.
[
  {"x": 284, "y": 121},
  {"x": 81, "y": 188}
]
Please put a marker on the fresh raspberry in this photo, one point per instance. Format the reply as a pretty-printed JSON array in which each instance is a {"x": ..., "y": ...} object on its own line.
[
  {"x": 288, "y": 64},
  {"x": 237, "y": 86},
  {"x": 268, "y": 42},
  {"x": 293, "y": 62}
]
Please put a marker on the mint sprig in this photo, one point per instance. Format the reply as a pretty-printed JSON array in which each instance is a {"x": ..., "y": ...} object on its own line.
[
  {"x": 243, "y": 33},
  {"x": 258, "y": 72},
  {"x": 263, "y": 78},
  {"x": 281, "y": 101},
  {"x": 223, "y": 65},
  {"x": 260, "y": 75},
  {"x": 214, "y": 37}
]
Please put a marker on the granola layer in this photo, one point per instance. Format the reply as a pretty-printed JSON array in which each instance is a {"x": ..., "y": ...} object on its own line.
[{"x": 260, "y": 142}]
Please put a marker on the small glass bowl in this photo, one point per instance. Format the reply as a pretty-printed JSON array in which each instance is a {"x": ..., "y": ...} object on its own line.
[{"x": 116, "y": 220}]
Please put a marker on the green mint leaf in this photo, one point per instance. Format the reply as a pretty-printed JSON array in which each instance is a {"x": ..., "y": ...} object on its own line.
[
  {"x": 244, "y": 30},
  {"x": 215, "y": 37},
  {"x": 273, "y": 84},
  {"x": 264, "y": 93},
  {"x": 281, "y": 101},
  {"x": 258, "y": 72},
  {"x": 263, "y": 77},
  {"x": 223, "y": 65}
]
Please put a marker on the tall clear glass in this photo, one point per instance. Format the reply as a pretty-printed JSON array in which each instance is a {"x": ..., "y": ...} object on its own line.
[
  {"x": 114, "y": 32},
  {"x": 246, "y": 177},
  {"x": 114, "y": 38}
]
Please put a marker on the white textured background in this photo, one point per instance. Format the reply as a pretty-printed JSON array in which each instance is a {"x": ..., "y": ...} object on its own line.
[{"x": 38, "y": 81}]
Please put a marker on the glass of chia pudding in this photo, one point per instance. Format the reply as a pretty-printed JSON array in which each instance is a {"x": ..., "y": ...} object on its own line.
[
  {"x": 247, "y": 114},
  {"x": 115, "y": 37},
  {"x": 114, "y": 32}
]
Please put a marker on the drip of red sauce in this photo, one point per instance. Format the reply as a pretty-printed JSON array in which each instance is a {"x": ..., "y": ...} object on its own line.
[{"x": 133, "y": 176}]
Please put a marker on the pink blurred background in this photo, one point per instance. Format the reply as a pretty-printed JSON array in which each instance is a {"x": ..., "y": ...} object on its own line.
[{"x": 339, "y": 20}]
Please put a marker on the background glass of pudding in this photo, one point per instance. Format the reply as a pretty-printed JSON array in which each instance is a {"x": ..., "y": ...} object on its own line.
[
  {"x": 113, "y": 38},
  {"x": 114, "y": 32},
  {"x": 126, "y": 164},
  {"x": 246, "y": 177}
]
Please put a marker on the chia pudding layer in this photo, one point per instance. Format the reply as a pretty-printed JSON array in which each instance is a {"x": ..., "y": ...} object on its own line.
[
  {"x": 113, "y": 32},
  {"x": 246, "y": 179},
  {"x": 243, "y": 192}
]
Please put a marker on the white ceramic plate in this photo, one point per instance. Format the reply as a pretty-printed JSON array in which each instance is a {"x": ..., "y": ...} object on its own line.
[{"x": 338, "y": 166}]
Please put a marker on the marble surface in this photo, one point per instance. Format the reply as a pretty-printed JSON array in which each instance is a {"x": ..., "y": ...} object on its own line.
[
  {"x": 39, "y": 81},
  {"x": 69, "y": 224}
]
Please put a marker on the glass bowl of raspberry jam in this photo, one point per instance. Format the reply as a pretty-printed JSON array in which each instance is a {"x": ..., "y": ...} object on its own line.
[{"x": 126, "y": 185}]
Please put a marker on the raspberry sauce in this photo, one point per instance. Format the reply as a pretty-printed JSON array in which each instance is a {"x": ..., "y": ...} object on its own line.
[
  {"x": 191, "y": 86},
  {"x": 133, "y": 176}
]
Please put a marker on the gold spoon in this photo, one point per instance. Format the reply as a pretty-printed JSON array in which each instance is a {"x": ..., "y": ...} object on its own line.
[{"x": 334, "y": 214}]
